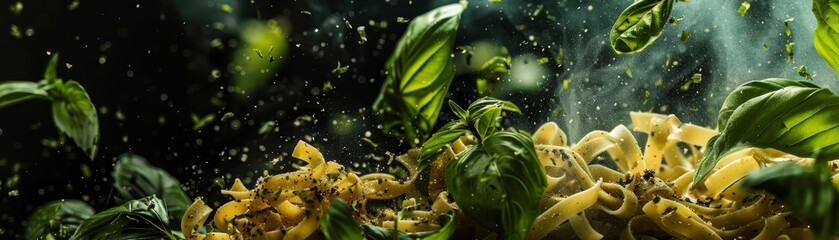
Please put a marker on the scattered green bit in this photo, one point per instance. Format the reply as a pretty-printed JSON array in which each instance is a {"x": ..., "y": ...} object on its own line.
[
  {"x": 307, "y": 13},
  {"x": 675, "y": 21},
  {"x": 628, "y": 70},
  {"x": 401, "y": 20},
  {"x": 370, "y": 142},
  {"x": 73, "y": 5},
  {"x": 299, "y": 120},
  {"x": 765, "y": 46},
  {"x": 327, "y": 86},
  {"x": 227, "y": 116},
  {"x": 646, "y": 96},
  {"x": 802, "y": 71},
  {"x": 119, "y": 115},
  {"x": 362, "y": 35},
  {"x": 495, "y": 1},
  {"x": 339, "y": 69},
  {"x": 787, "y": 30},
  {"x": 685, "y": 36},
  {"x": 201, "y": 122},
  {"x": 215, "y": 73},
  {"x": 15, "y": 31},
  {"x": 258, "y": 53},
  {"x": 347, "y": 23},
  {"x": 789, "y": 48},
  {"x": 267, "y": 127},
  {"x": 560, "y": 57},
  {"x": 543, "y": 60},
  {"x": 14, "y": 193},
  {"x": 685, "y": 87},
  {"x": 697, "y": 78},
  {"x": 538, "y": 10},
  {"x": 659, "y": 83},
  {"x": 226, "y": 8},
  {"x": 743, "y": 8},
  {"x": 16, "y": 8},
  {"x": 85, "y": 170},
  {"x": 565, "y": 83}
]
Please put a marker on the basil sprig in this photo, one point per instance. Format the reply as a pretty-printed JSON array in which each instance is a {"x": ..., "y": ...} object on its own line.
[{"x": 640, "y": 25}]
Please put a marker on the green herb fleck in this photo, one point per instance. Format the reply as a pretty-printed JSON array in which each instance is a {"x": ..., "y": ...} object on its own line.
[
  {"x": 628, "y": 70},
  {"x": 401, "y": 20},
  {"x": 227, "y": 116},
  {"x": 787, "y": 30},
  {"x": 73, "y": 5},
  {"x": 743, "y": 8},
  {"x": 789, "y": 48},
  {"x": 226, "y": 8},
  {"x": 697, "y": 78},
  {"x": 16, "y": 8},
  {"x": 685, "y": 36},
  {"x": 802, "y": 71},
  {"x": 267, "y": 127},
  {"x": 362, "y": 35},
  {"x": 565, "y": 83},
  {"x": 543, "y": 60},
  {"x": 201, "y": 122},
  {"x": 646, "y": 96},
  {"x": 15, "y": 31},
  {"x": 339, "y": 69}
]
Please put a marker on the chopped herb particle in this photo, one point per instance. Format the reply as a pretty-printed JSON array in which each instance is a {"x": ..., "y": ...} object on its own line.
[
  {"x": 362, "y": 35},
  {"x": 307, "y": 13},
  {"x": 787, "y": 30},
  {"x": 565, "y": 84},
  {"x": 15, "y": 31},
  {"x": 685, "y": 87},
  {"x": 368, "y": 141},
  {"x": 16, "y": 8},
  {"x": 765, "y": 46},
  {"x": 697, "y": 78},
  {"x": 401, "y": 20},
  {"x": 226, "y": 8},
  {"x": 628, "y": 70},
  {"x": 685, "y": 36},
  {"x": 227, "y": 116},
  {"x": 347, "y": 23},
  {"x": 659, "y": 83},
  {"x": 802, "y": 71},
  {"x": 339, "y": 69},
  {"x": 495, "y": 1},
  {"x": 538, "y": 10},
  {"x": 560, "y": 57},
  {"x": 543, "y": 60},
  {"x": 14, "y": 193},
  {"x": 200, "y": 122},
  {"x": 73, "y": 5},
  {"x": 790, "y": 54},
  {"x": 675, "y": 21},
  {"x": 646, "y": 96},
  {"x": 327, "y": 86},
  {"x": 743, "y": 8},
  {"x": 258, "y": 53},
  {"x": 267, "y": 127}
]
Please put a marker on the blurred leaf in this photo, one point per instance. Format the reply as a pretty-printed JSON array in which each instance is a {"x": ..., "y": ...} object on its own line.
[
  {"x": 826, "y": 35},
  {"x": 13, "y": 92},
  {"x": 419, "y": 73},
  {"x": 51, "y": 72},
  {"x": 75, "y": 115},
  {"x": 57, "y": 219},
  {"x": 134, "y": 178},
  {"x": 144, "y": 218},
  {"x": 743, "y": 8},
  {"x": 338, "y": 223}
]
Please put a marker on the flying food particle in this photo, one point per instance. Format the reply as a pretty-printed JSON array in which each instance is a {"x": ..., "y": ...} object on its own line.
[
  {"x": 258, "y": 53},
  {"x": 560, "y": 57},
  {"x": 685, "y": 36},
  {"x": 675, "y": 21},
  {"x": 765, "y": 46},
  {"x": 227, "y": 116},
  {"x": 685, "y": 87},
  {"x": 659, "y": 83},
  {"x": 339, "y": 69},
  {"x": 347, "y": 23},
  {"x": 370, "y": 142},
  {"x": 401, "y": 20},
  {"x": 495, "y": 1},
  {"x": 543, "y": 60},
  {"x": 301, "y": 119},
  {"x": 646, "y": 96},
  {"x": 538, "y": 10},
  {"x": 119, "y": 115},
  {"x": 787, "y": 30},
  {"x": 789, "y": 49},
  {"x": 327, "y": 86},
  {"x": 15, "y": 31},
  {"x": 802, "y": 71},
  {"x": 85, "y": 170},
  {"x": 215, "y": 73},
  {"x": 267, "y": 127},
  {"x": 628, "y": 70},
  {"x": 565, "y": 84},
  {"x": 201, "y": 122},
  {"x": 16, "y": 8},
  {"x": 743, "y": 8},
  {"x": 226, "y": 8},
  {"x": 73, "y": 5},
  {"x": 14, "y": 193},
  {"x": 307, "y": 13},
  {"x": 362, "y": 35},
  {"x": 697, "y": 78}
]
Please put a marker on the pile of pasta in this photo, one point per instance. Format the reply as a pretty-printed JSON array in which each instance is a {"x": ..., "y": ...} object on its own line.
[{"x": 604, "y": 186}]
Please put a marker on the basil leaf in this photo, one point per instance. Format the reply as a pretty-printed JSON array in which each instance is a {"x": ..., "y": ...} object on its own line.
[
  {"x": 51, "y": 72},
  {"x": 491, "y": 73},
  {"x": 808, "y": 191},
  {"x": 751, "y": 90},
  {"x": 372, "y": 232},
  {"x": 419, "y": 72},
  {"x": 457, "y": 110},
  {"x": 14, "y": 92},
  {"x": 796, "y": 118},
  {"x": 136, "y": 219},
  {"x": 484, "y": 114},
  {"x": 57, "y": 219},
  {"x": 640, "y": 25},
  {"x": 134, "y": 178},
  {"x": 338, "y": 223},
  {"x": 499, "y": 184},
  {"x": 438, "y": 141},
  {"x": 826, "y": 34},
  {"x": 75, "y": 115}
]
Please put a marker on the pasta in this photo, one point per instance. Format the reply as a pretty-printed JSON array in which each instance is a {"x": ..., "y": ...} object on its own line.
[{"x": 604, "y": 186}]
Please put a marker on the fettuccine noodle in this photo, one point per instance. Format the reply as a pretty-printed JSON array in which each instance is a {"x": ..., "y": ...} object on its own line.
[{"x": 604, "y": 186}]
